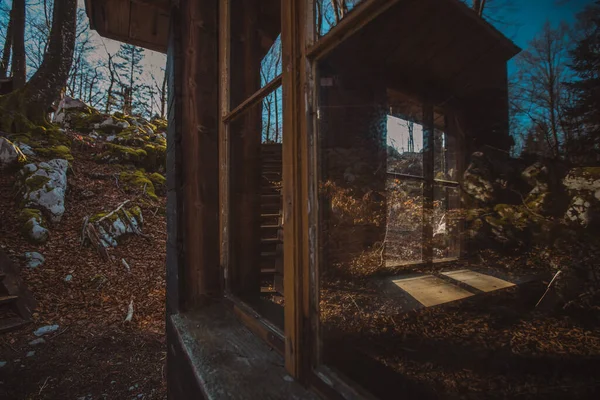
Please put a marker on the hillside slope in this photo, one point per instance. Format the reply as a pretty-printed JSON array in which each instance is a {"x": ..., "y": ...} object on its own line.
[{"x": 94, "y": 353}]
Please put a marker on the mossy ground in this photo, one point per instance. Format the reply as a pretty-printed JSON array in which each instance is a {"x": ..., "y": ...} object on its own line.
[{"x": 138, "y": 182}]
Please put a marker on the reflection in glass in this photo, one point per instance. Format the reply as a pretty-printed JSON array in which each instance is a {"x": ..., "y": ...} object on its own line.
[
  {"x": 255, "y": 46},
  {"x": 328, "y": 13},
  {"x": 404, "y": 229},
  {"x": 405, "y": 146},
  {"x": 446, "y": 222},
  {"x": 255, "y": 225}
]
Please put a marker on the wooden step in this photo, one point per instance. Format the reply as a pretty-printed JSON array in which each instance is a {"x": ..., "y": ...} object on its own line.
[
  {"x": 10, "y": 324},
  {"x": 270, "y": 241},
  {"x": 8, "y": 299}
]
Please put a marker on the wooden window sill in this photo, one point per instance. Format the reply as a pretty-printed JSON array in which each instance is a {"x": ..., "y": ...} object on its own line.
[{"x": 226, "y": 359}]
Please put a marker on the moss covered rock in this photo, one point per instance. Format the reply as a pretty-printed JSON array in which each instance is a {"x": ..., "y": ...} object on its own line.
[
  {"x": 10, "y": 155},
  {"x": 159, "y": 182},
  {"x": 118, "y": 224},
  {"x": 586, "y": 179},
  {"x": 59, "y": 151},
  {"x": 33, "y": 225},
  {"x": 44, "y": 185},
  {"x": 137, "y": 182}
]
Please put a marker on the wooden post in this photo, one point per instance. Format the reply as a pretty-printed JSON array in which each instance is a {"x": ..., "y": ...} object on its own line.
[
  {"x": 198, "y": 117},
  {"x": 428, "y": 163}
]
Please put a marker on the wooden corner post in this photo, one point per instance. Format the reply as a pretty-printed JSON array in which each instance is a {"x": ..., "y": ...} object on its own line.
[
  {"x": 295, "y": 182},
  {"x": 199, "y": 114}
]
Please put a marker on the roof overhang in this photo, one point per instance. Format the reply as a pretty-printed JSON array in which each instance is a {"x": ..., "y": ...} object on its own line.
[{"x": 143, "y": 23}]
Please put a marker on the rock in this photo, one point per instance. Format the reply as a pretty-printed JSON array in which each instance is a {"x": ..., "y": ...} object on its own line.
[
  {"x": 44, "y": 187},
  {"x": 25, "y": 149},
  {"x": 584, "y": 180},
  {"x": 35, "y": 342},
  {"x": 34, "y": 259},
  {"x": 2, "y": 364},
  {"x": 584, "y": 210},
  {"x": 44, "y": 330},
  {"x": 138, "y": 182},
  {"x": 34, "y": 227},
  {"x": 536, "y": 175},
  {"x": 10, "y": 155},
  {"x": 68, "y": 278},
  {"x": 30, "y": 353},
  {"x": 478, "y": 179},
  {"x": 68, "y": 103},
  {"x": 118, "y": 224}
]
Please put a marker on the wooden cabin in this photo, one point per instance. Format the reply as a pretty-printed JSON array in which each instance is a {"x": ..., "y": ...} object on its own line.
[{"x": 307, "y": 146}]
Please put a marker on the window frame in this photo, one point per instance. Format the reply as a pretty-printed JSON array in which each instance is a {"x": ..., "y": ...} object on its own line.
[
  {"x": 258, "y": 324},
  {"x": 301, "y": 50},
  {"x": 321, "y": 377}
]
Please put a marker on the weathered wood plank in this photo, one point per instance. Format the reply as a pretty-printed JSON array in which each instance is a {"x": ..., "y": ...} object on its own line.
[{"x": 199, "y": 144}]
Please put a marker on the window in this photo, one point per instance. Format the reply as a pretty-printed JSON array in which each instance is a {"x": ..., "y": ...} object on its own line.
[
  {"x": 346, "y": 144},
  {"x": 252, "y": 117},
  {"x": 390, "y": 210}
]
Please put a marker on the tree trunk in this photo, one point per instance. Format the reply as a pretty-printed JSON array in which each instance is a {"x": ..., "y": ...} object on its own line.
[
  {"x": 31, "y": 103},
  {"x": 7, "y": 46},
  {"x": 18, "y": 44}
]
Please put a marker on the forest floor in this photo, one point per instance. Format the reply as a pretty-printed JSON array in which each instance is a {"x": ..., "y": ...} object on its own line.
[{"x": 94, "y": 354}]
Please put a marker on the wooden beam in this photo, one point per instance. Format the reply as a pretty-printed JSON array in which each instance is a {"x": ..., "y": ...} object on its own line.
[
  {"x": 428, "y": 174},
  {"x": 199, "y": 124},
  {"x": 292, "y": 228}
]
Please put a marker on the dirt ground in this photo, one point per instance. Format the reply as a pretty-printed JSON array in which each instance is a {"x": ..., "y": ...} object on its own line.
[{"x": 94, "y": 354}]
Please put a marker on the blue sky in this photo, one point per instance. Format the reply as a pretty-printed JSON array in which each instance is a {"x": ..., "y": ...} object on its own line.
[{"x": 527, "y": 17}]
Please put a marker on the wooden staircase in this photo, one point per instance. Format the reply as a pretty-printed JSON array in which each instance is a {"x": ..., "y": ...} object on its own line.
[
  {"x": 16, "y": 302},
  {"x": 271, "y": 243}
]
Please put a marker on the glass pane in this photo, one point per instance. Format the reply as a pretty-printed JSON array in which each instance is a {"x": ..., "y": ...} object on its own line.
[
  {"x": 256, "y": 232},
  {"x": 329, "y": 13},
  {"x": 516, "y": 316},
  {"x": 405, "y": 145},
  {"x": 404, "y": 230},
  {"x": 444, "y": 151},
  {"x": 447, "y": 221},
  {"x": 255, "y": 52}
]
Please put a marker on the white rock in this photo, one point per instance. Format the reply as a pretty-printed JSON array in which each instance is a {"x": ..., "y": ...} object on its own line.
[
  {"x": 107, "y": 123},
  {"x": 38, "y": 233},
  {"x": 580, "y": 179},
  {"x": 68, "y": 278},
  {"x": 579, "y": 211},
  {"x": 25, "y": 149},
  {"x": 111, "y": 138},
  {"x": 30, "y": 353},
  {"x": 123, "y": 124},
  {"x": 34, "y": 259},
  {"x": 44, "y": 330},
  {"x": 68, "y": 103},
  {"x": 51, "y": 195},
  {"x": 9, "y": 153},
  {"x": 35, "y": 342}
]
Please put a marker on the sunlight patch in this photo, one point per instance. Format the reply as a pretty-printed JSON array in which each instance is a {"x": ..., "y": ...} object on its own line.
[
  {"x": 483, "y": 282},
  {"x": 431, "y": 291}
]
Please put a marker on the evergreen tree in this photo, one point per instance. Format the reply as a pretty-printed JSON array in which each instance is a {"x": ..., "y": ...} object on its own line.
[
  {"x": 129, "y": 67},
  {"x": 585, "y": 112}
]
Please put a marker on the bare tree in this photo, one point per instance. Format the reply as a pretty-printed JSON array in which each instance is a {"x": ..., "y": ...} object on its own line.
[
  {"x": 7, "y": 47},
  {"x": 541, "y": 93},
  {"x": 32, "y": 101}
]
